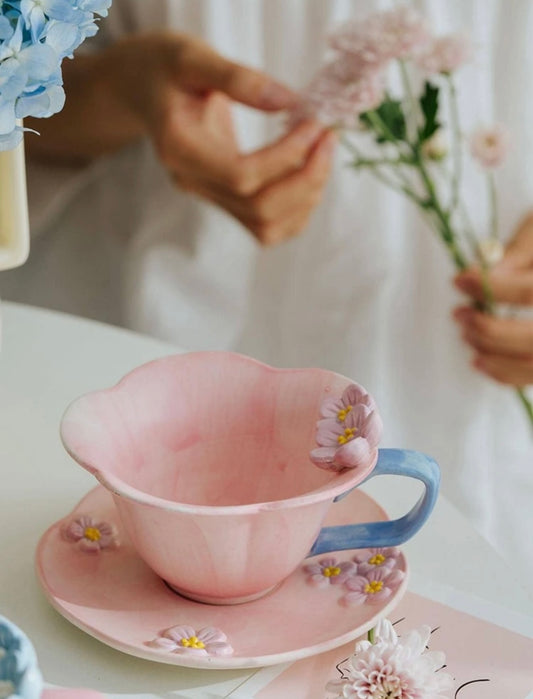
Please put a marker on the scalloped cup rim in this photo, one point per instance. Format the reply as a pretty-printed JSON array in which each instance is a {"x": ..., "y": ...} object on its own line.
[{"x": 341, "y": 482}]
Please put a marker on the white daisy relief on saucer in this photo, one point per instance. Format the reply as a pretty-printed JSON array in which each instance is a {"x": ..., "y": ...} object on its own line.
[
  {"x": 329, "y": 571},
  {"x": 185, "y": 640},
  {"x": 373, "y": 588},
  {"x": 89, "y": 535},
  {"x": 372, "y": 559}
]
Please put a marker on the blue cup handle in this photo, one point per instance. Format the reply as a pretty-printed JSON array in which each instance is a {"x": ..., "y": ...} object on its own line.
[{"x": 395, "y": 462}]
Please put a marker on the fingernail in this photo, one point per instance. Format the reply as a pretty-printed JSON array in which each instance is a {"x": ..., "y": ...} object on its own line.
[{"x": 277, "y": 96}]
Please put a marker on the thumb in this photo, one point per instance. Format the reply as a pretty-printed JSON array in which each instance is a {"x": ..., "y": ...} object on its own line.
[
  {"x": 519, "y": 250},
  {"x": 203, "y": 70}
]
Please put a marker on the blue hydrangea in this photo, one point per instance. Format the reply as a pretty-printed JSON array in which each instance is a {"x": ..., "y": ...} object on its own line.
[
  {"x": 35, "y": 36},
  {"x": 20, "y": 677}
]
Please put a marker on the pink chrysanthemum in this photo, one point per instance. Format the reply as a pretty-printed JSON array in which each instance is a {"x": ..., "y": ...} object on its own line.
[
  {"x": 328, "y": 571},
  {"x": 89, "y": 535},
  {"x": 489, "y": 145},
  {"x": 444, "y": 54},
  {"x": 382, "y": 36},
  {"x": 336, "y": 97},
  {"x": 394, "y": 668}
]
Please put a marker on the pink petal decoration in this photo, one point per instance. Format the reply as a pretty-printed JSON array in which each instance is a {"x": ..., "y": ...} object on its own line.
[
  {"x": 353, "y": 454},
  {"x": 214, "y": 641},
  {"x": 347, "y": 440}
]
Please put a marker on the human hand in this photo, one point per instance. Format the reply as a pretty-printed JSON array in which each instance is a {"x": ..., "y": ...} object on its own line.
[
  {"x": 182, "y": 91},
  {"x": 503, "y": 346}
]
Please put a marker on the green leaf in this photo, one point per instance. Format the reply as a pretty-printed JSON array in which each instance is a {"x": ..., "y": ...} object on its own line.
[
  {"x": 387, "y": 121},
  {"x": 429, "y": 104}
]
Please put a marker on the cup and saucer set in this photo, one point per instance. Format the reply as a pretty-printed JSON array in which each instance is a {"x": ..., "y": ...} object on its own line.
[{"x": 227, "y": 530}]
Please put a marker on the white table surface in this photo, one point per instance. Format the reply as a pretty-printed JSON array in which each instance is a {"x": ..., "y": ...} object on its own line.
[{"x": 48, "y": 359}]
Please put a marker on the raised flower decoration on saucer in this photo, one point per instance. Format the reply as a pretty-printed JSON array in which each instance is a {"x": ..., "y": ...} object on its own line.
[
  {"x": 348, "y": 432},
  {"x": 89, "y": 535},
  {"x": 373, "y": 559},
  {"x": 20, "y": 677},
  {"x": 186, "y": 640},
  {"x": 329, "y": 571},
  {"x": 370, "y": 577},
  {"x": 372, "y": 588}
]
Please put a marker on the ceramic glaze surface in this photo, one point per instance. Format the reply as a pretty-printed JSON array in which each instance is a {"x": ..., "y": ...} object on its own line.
[
  {"x": 207, "y": 429},
  {"x": 117, "y": 598},
  {"x": 207, "y": 457}
]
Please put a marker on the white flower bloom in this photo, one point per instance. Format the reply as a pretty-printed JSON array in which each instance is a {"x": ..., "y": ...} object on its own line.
[
  {"x": 436, "y": 147},
  {"x": 394, "y": 668},
  {"x": 491, "y": 251}
]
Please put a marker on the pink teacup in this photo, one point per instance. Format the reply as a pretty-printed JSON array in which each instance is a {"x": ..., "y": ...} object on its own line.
[{"x": 207, "y": 457}]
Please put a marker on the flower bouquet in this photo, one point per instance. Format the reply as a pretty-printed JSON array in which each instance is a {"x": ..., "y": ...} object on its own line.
[
  {"x": 35, "y": 37},
  {"x": 400, "y": 138}
]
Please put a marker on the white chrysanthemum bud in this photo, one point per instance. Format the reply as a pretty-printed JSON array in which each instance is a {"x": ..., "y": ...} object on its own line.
[
  {"x": 436, "y": 147},
  {"x": 491, "y": 251}
]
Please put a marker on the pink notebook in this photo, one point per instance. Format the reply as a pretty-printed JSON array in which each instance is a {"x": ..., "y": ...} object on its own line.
[{"x": 486, "y": 660}]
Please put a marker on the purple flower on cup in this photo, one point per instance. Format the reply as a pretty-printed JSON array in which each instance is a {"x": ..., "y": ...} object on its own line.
[
  {"x": 328, "y": 571},
  {"x": 374, "y": 559},
  {"x": 349, "y": 432},
  {"x": 90, "y": 536},
  {"x": 187, "y": 641},
  {"x": 373, "y": 588}
]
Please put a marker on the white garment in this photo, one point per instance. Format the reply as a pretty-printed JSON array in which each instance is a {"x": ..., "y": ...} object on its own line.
[{"x": 366, "y": 291}]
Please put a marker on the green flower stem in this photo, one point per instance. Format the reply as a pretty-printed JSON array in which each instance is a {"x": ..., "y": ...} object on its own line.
[
  {"x": 493, "y": 200},
  {"x": 374, "y": 165},
  {"x": 456, "y": 150},
  {"x": 528, "y": 405},
  {"x": 371, "y": 636},
  {"x": 443, "y": 217},
  {"x": 393, "y": 162},
  {"x": 412, "y": 116}
]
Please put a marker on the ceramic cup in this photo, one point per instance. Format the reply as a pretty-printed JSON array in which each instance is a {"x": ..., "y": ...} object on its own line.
[{"x": 207, "y": 458}]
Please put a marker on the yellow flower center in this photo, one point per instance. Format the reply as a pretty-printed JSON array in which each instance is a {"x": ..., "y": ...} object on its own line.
[
  {"x": 373, "y": 586},
  {"x": 192, "y": 642},
  {"x": 349, "y": 433},
  {"x": 331, "y": 571},
  {"x": 92, "y": 533},
  {"x": 377, "y": 560},
  {"x": 341, "y": 415}
]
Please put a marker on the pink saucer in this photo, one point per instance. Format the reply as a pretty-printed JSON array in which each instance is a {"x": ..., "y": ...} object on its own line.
[
  {"x": 67, "y": 693},
  {"x": 115, "y": 597}
]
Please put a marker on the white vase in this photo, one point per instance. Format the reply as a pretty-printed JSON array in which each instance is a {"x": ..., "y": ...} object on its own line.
[{"x": 14, "y": 224}]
